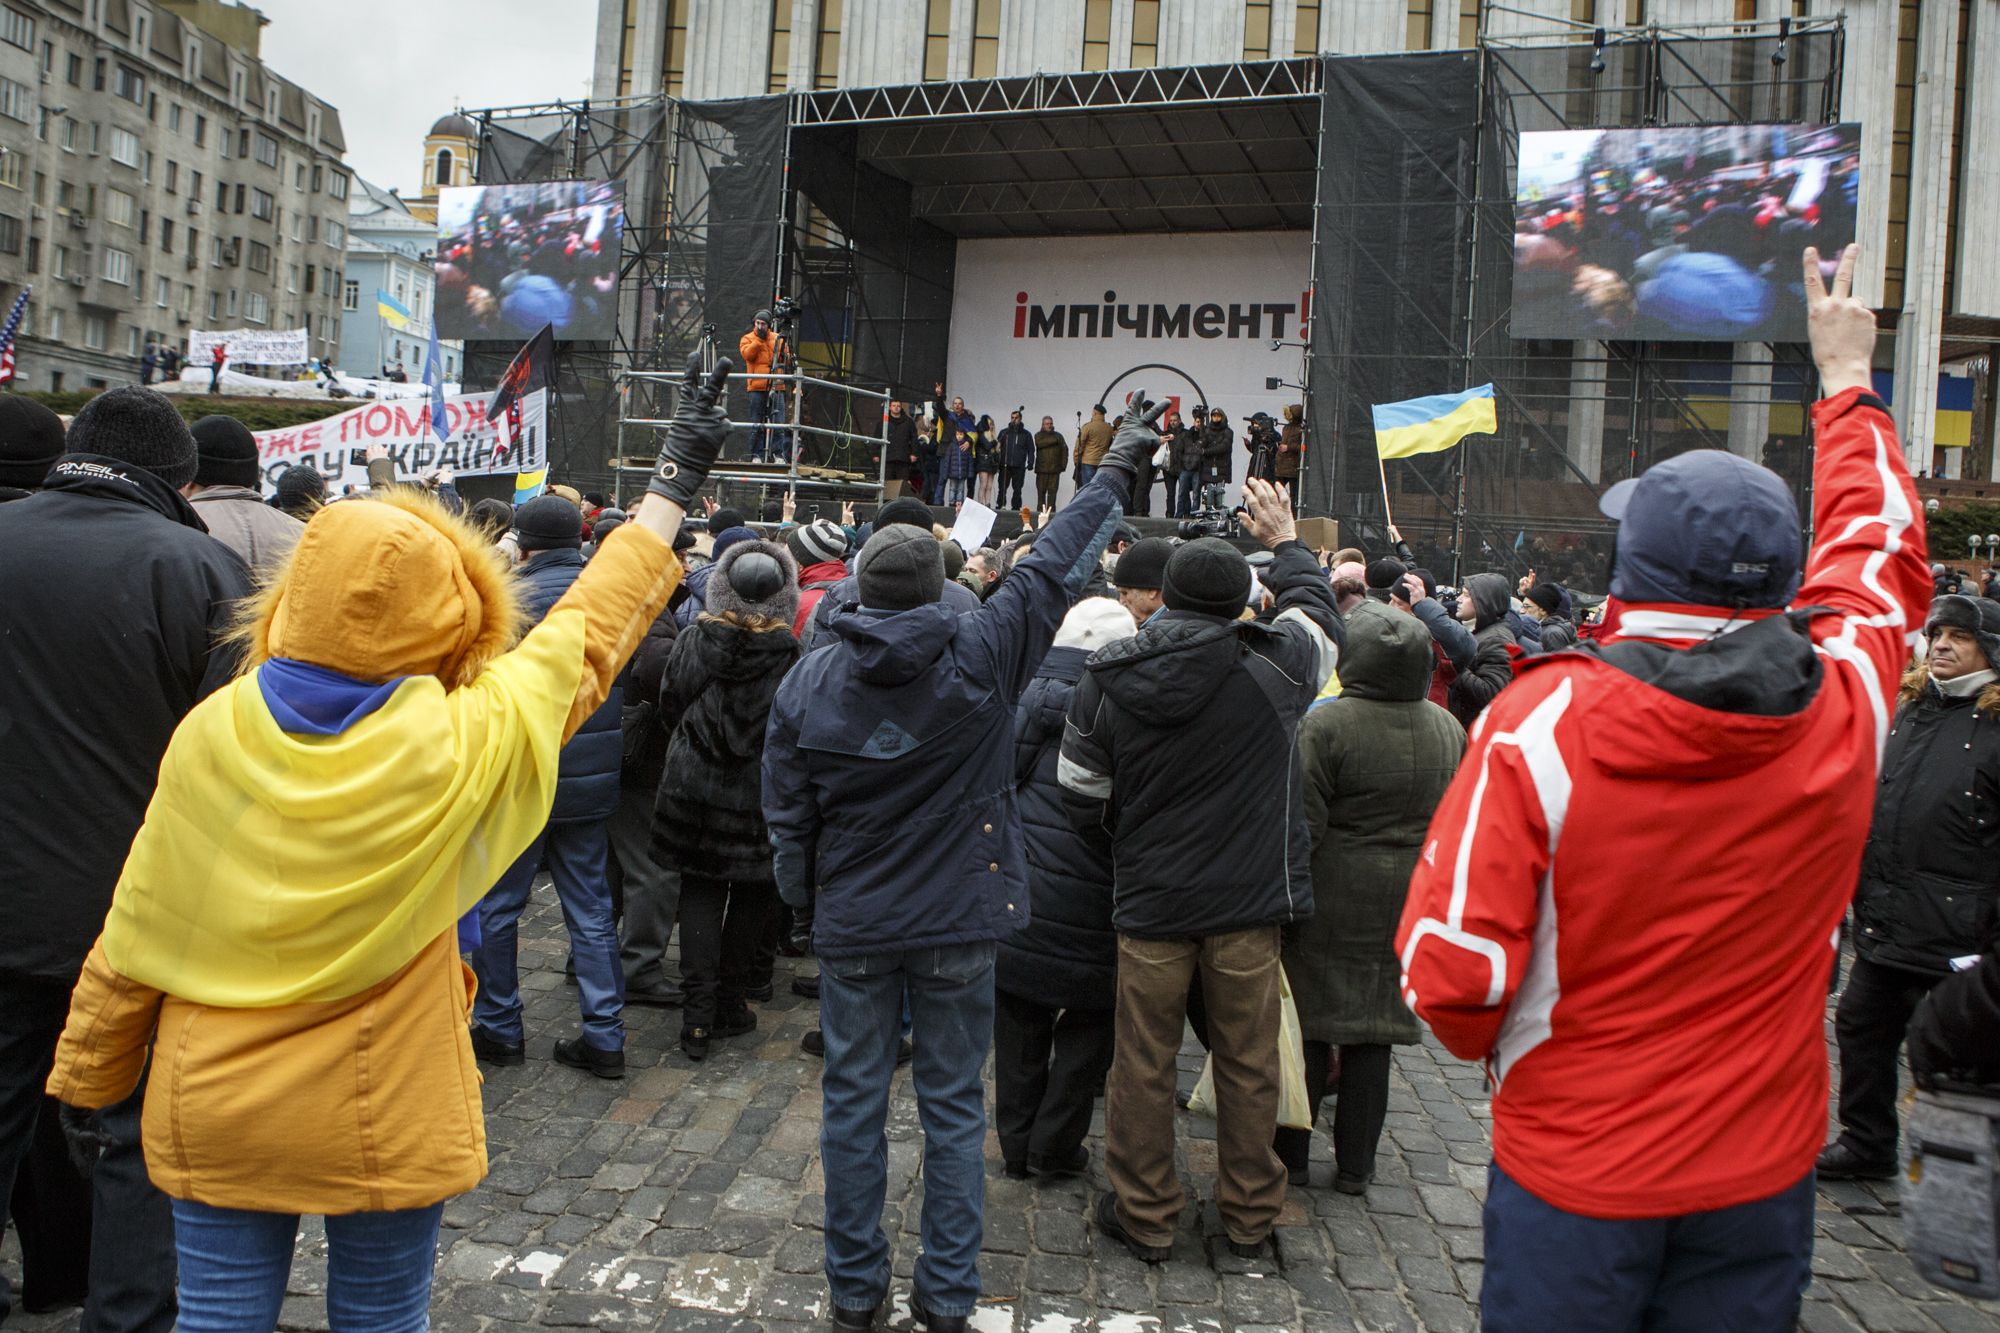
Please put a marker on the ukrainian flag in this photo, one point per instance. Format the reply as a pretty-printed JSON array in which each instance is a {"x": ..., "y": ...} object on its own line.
[
  {"x": 528, "y": 485},
  {"x": 1426, "y": 425},
  {"x": 392, "y": 310}
]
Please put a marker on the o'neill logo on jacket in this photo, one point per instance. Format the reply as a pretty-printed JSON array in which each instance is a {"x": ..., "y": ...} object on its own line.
[{"x": 1208, "y": 319}]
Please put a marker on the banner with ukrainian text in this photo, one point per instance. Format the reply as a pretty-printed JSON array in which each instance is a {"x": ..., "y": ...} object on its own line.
[
  {"x": 249, "y": 347},
  {"x": 477, "y": 447}
]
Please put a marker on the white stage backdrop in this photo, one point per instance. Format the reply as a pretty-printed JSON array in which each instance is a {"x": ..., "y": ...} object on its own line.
[{"x": 1055, "y": 325}]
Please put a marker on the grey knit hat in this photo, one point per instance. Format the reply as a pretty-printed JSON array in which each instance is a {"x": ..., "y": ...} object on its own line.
[
  {"x": 136, "y": 426},
  {"x": 755, "y": 578},
  {"x": 900, "y": 568}
]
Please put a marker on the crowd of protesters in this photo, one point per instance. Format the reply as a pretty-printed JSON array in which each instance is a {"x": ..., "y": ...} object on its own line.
[{"x": 232, "y": 994}]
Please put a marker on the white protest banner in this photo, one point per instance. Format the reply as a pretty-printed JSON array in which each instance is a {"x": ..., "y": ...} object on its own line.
[
  {"x": 975, "y": 520},
  {"x": 1053, "y": 325},
  {"x": 336, "y": 446},
  {"x": 249, "y": 347}
]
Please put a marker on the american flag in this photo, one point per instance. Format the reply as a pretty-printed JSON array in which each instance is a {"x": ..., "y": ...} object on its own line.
[{"x": 7, "y": 336}]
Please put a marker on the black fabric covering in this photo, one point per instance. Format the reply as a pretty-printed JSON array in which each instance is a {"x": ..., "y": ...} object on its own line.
[
  {"x": 1397, "y": 183},
  {"x": 737, "y": 149}
]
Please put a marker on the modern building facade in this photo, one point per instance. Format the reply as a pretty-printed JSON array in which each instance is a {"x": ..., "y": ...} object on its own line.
[
  {"x": 389, "y": 252},
  {"x": 1921, "y": 76},
  {"x": 158, "y": 178}
]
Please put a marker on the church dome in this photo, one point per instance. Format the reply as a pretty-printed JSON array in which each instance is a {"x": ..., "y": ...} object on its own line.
[{"x": 453, "y": 126}]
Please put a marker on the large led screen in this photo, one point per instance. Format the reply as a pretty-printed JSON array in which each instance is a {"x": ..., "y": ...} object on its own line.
[
  {"x": 512, "y": 258},
  {"x": 1688, "y": 233}
]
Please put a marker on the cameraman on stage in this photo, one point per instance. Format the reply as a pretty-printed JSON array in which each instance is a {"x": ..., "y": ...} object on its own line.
[{"x": 764, "y": 353}]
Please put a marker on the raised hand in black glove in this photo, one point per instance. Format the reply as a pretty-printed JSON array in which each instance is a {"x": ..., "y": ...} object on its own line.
[
  {"x": 1138, "y": 437},
  {"x": 695, "y": 436},
  {"x": 86, "y": 1136}
]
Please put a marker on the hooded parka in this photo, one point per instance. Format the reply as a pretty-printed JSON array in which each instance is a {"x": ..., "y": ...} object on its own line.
[{"x": 1492, "y": 665}]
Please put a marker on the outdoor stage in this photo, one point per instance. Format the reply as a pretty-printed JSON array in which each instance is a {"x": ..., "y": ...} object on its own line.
[{"x": 897, "y": 218}]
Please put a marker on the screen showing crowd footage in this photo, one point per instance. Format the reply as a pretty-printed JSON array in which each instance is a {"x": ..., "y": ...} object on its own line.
[
  {"x": 1684, "y": 234},
  {"x": 512, "y": 258}
]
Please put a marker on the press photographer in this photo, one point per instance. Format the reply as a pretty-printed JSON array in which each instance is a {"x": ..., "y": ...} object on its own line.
[{"x": 766, "y": 351}]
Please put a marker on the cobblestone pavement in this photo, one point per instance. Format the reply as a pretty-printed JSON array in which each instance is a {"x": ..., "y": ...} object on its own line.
[{"x": 688, "y": 1197}]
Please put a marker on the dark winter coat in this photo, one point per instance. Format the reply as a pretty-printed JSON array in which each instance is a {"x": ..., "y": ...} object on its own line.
[
  {"x": 1066, "y": 957},
  {"x": 1377, "y": 761},
  {"x": 1492, "y": 666},
  {"x": 1218, "y": 445},
  {"x": 845, "y": 596},
  {"x": 1184, "y": 445},
  {"x": 889, "y": 774},
  {"x": 113, "y": 598},
  {"x": 1558, "y": 633},
  {"x": 587, "y": 772},
  {"x": 985, "y": 448},
  {"x": 1017, "y": 446},
  {"x": 1930, "y": 877},
  {"x": 1051, "y": 453},
  {"x": 1955, "y": 1034},
  {"x": 900, "y": 440},
  {"x": 956, "y": 463},
  {"x": 716, "y": 700},
  {"x": 645, "y": 739},
  {"x": 1291, "y": 450},
  {"x": 1182, "y": 744}
]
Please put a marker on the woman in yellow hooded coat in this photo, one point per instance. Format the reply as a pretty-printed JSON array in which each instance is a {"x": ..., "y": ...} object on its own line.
[{"x": 283, "y": 935}]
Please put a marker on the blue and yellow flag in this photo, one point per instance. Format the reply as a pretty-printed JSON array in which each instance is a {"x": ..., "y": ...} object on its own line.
[
  {"x": 528, "y": 485},
  {"x": 392, "y": 311},
  {"x": 1426, "y": 425}
]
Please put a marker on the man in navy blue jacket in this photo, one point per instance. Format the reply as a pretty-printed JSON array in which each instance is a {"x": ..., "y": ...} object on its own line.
[
  {"x": 889, "y": 785},
  {"x": 574, "y": 844}
]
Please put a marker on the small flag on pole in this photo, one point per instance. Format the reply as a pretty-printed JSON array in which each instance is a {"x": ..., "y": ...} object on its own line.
[
  {"x": 7, "y": 336},
  {"x": 434, "y": 377},
  {"x": 392, "y": 311},
  {"x": 528, "y": 485},
  {"x": 1426, "y": 425},
  {"x": 533, "y": 367}
]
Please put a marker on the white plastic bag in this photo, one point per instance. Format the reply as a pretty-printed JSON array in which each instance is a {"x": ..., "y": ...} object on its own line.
[
  {"x": 1294, "y": 1112},
  {"x": 1164, "y": 454}
]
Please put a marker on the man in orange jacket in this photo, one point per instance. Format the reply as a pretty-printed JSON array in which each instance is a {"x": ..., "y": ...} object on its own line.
[
  {"x": 1629, "y": 902},
  {"x": 761, "y": 350}
]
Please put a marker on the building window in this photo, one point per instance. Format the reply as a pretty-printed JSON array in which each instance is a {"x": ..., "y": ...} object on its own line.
[
  {"x": 351, "y": 298},
  {"x": 214, "y": 306},
  {"x": 292, "y": 282},
  {"x": 443, "y": 167},
  {"x": 17, "y": 100},
  {"x": 336, "y": 235},
  {"x": 59, "y": 263},
  {"x": 17, "y": 29},
  {"x": 1096, "y": 35},
  {"x": 240, "y": 191},
  {"x": 187, "y": 298},
  {"x": 311, "y": 271},
  {"x": 257, "y": 308},
  {"x": 96, "y": 332},
  {"x": 985, "y": 38},
  {"x": 677, "y": 43},
  {"x": 67, "y": 139},
  {"x": 132, "y": 341},
  {"x": 336, "y": 185},
  {"x": 232, "y": 303},
  {"x": 826, "y": 52},
  {"x": 780, "y": 64},
  {"x": 74, "y": 74},
  {"x": 131, "y": 86},
  {"x": 937, "y": 42},
  {"x": 10, "y": 232},
  {"x": 1257, "y": 30},
  {"x": 118, "y": 267},
  {"x": 173, "y": 177},
  {"x": 201, "y": 131},
  {"x": 1305, "y": 30},
  {"x": 267, "y": 150},
  {"x": 1468, "y": 23},
  {"x": 10, "y": 170},
  {"x": 262, "y": 206},
  {"x": 166, "y": 236},
  {"x": 299, "y": 178},
  {"x": 317, "y": 179},
  {"x": 34, "y": 254},
  {"x": 163, "y": 291},
  {"x": 227, "y": 142},
  {"x": 97, "y": 75},
  {"x": 124, "y": 147},
  {"x": 174, "y": 117},
  {"x": 120, "y": 208},
  {"x": 260, "y": 257},
  {"x": 53, "y": 326},
  {"x": 1145, "y": 33}
]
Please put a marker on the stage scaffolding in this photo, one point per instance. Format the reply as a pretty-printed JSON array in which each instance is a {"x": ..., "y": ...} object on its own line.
[{"x": 851, "y": 202}]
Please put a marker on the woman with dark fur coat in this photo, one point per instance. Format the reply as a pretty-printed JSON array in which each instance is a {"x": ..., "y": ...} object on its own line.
[{"x": 715, "y": 698}]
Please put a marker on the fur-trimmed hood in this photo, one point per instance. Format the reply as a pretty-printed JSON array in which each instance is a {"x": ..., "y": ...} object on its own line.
[
  {"x": 387, "y": 586},
  {"x": 722, "y": 598},
  {"x": 1919, "y": 676}
]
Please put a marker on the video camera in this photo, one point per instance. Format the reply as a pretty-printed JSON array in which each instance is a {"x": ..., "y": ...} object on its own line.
[
  {"x": 1213, "y": 519},
  {"x": 783, "y": 311}
]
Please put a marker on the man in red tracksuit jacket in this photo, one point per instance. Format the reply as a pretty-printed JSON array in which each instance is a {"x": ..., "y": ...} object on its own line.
[{"x": 1628, "y": 904}]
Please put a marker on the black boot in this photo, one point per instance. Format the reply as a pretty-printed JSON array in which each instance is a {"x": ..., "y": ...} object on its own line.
[
  {"x": 935, "y": 1323},
  {"x": 1840, "y": 1162},
  {"x": 694, "y": 1042},
  {"x": 580, "y": 1054},
  {"x": 494, "y": 1051}
]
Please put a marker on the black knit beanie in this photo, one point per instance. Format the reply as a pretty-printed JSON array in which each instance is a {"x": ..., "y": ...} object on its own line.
[
  {"x": 1208, "y": 576},
  {"x": 1142, "y": 564},
  {"x": 31, "y": 440},
  {"x": 900, "y": 568},
  {"x": 225, "y": 453},
  {"x": 1385, "y": 573},
  {"x": 137, "y": 426},
  {"x": 495, "y": 515},
  {"x": 300, "y": 490},
  {"x": 1547, "y": 596},
  {"x": 722, "y": 520},
  {"x": 548, "y": 523},
  {"x": 904, "y": 509}
]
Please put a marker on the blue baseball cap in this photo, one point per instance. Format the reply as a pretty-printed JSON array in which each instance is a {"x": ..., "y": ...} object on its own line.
[{"x": 1707, "y": 528}]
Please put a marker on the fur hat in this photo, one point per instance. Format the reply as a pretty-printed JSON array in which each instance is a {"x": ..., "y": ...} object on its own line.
[
  {"x": 225, "y": 453},
  {"x": 1208, "y": 576},
  {"x": 136, "y": 426},
  {"x": 393, "y": 585},
  {"x": 755, "y": 577},
  {"x": 1977, "y": 616},
  {"x": 31, "y": 440}
]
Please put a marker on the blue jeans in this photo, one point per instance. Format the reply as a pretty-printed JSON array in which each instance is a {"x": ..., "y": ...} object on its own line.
[
  {"x": 1084, "y": 472},
  {"x": 234, "y": 1264},
  {"x": 950, "y": 997},
  {"x": 576, "y": 853},
  {"x": 1741, "y": 1269},
  {"x": 767, "y": 405},
  {"x": 1187, "y": 486},
  {"x": 954, "y": 493}
]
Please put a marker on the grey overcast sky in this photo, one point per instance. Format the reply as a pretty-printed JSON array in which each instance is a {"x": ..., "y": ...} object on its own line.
[{"x": 394, "y": 66}]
